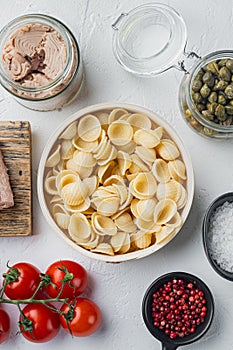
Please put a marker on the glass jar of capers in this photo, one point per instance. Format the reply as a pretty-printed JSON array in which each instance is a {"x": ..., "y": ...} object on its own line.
[{"x": 206, "y": 95}]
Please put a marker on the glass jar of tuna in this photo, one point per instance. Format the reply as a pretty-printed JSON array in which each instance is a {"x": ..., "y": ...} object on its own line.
[
  {"x": 40, "y": 62},
  {"x": 152, "y": 38}
]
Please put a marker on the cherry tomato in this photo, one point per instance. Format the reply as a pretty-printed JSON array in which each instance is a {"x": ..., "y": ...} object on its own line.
[
  {"x": 74, "y": 287},
  {"x": 45, "y": 323},
  {"x": 4, "y": 326},
  {"x": 87, "y": 318},
  {"x": 25, "y": 284}
]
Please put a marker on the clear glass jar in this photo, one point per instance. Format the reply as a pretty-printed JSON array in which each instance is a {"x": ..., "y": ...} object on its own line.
[
  {"x": 188, "y": 108},
  {"x": 64, "y": 87},
  {"x": 151, "y": 39}
]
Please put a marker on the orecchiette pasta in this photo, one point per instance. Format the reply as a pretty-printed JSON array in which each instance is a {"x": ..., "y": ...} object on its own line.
[{"x": 115, "y": 182}]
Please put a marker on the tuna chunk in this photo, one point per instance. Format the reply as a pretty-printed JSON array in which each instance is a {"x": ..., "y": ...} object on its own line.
[{"x": 6, "y": 195}]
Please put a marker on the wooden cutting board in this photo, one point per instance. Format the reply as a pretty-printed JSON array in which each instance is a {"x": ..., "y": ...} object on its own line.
[{"x": 15, "y": 144}]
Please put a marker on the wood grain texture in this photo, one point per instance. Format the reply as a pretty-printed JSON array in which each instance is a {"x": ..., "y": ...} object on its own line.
[{"x": 15, "y": 144}]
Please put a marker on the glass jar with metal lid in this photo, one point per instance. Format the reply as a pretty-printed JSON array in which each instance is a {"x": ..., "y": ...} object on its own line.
[
  {"x": 33, "y": 77},
  {"x": 152, "y": 38}
]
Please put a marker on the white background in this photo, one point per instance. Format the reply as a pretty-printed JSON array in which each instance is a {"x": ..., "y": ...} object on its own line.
[{"x": 119, "y": 288}]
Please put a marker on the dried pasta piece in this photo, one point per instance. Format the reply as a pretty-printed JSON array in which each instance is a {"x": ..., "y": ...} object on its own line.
[
  {"x": 125, "y": 223},
  {"x": 122, "y": 191},
  {"x": 50, "y": 185},
  {"x": 90, "y": 244},
  {"x": 103, "y": 248},
  {"x": 126, "y": 245},
  {"x": 66, "y": 177},
  {"x": 164, "y": 211},
  {"x": 140, "y": 165},
  {"x": 120, "y": 132},
  {"x": 114, "y": 179},
  {"x": 171, "y": 189},
  {"x": 142, "y": 240},
  {"x": 69, "y": 132},
  {"x": 89, "y": 128},
  {"x": 134, "y": 207},
  {"x": 177, "y": 169},
  {"x": 79, "y": 227},
  {"x": 81, "y": 208},
  {"x": 116, "y": 114},
  {"x": 160, "y": 170},
  {"x": 175, "y": 221},
  {"x": 84, "y": 146},
  {"x": 144, "y": 186},
  {"x": 92, "y": 184},
  {"x": 103, "y": 225},
  {"x": 117, "y": 241},
  {"x": 108, "y": 206},
  {"x": 82, "y": 171},
  {"x": 128, "y": 147},
  {"x": 163, "y": 234},
  {"x": 62, "y": 220},
  {"x": 105, "y": 171},
  {"x": 124, "y": 161},
  {"x": 147, "y": 155},
  {"x": 67, "y": 149},
  {"x": 139, "y": 121},
  {"x": 84, "y": 159},
  {"x": 145, "y": 209},
  {"x": 167, "y": 150},
  {"x": 54, "y": 159},
  {"x": 183, "y": 198},
  {"x": 146, "y": 138},
  {"x": 74, "y": 193},
  {"x": 147, "y": 226}
]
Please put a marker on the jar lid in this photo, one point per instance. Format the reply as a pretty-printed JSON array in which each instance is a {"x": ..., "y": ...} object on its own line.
[{"x": 149, "y": 39}]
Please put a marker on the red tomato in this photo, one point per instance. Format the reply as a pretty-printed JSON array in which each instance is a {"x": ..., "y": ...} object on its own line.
[
  {"x": 26, "y": 283},
  {"x": 4, "y": 326},
  {"x": 74, "y": 287},
  {"x": 45, "y": 323},
  {"x": 87, "y": 318}
]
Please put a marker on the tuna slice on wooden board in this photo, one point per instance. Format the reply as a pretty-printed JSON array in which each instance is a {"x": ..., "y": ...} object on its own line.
[{"x": 6, "y": 195}]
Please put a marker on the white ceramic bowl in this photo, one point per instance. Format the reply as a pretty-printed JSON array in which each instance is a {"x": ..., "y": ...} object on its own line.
[{"x": 110, "y": 106}]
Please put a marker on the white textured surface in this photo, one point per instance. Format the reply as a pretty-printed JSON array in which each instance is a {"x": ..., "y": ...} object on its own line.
[{"x": 118, "y": 289}]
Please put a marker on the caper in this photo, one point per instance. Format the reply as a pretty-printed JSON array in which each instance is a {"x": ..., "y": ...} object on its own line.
[
  {"x": 229, "y": 65},
  {"x": 222, "y": 100},
  {"x": 205, "y": 91},
  {"x": 197, "y": 97},
  {"x": 208, "y": 79},
  {"x": 197, "y": 84},
  {"x": 212, "y": 67},
  {"x": 207, "y": 114},
  {"x": 225, "y": 74},
  {"x": 200, "y": 107},
  {"x": 221, "y": 85},
  {"x": 212, "y": 106},
  {"x": 220, "y": 112},
  {"x": 213, "y": 97},
  {"x": 229, "y": 91},
  {"x": 228, "y": 121},
  {"x": 222, "y": 63},
  {"x": 200, "y": 74},
  {"x": 229, "y": 109},
  {"x": 208, "y": 131}
]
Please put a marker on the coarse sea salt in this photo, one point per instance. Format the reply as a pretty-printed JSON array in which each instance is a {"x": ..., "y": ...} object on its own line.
[{"x": 220, "y": 236}]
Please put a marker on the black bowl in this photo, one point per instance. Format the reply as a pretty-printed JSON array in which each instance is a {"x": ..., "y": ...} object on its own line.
[
  {"x": 172, "y": 344},
  {"x": 227, "y": 197}
]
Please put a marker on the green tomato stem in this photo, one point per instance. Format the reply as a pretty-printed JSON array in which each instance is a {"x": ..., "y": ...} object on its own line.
[{"x": 31, "y": 301}]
